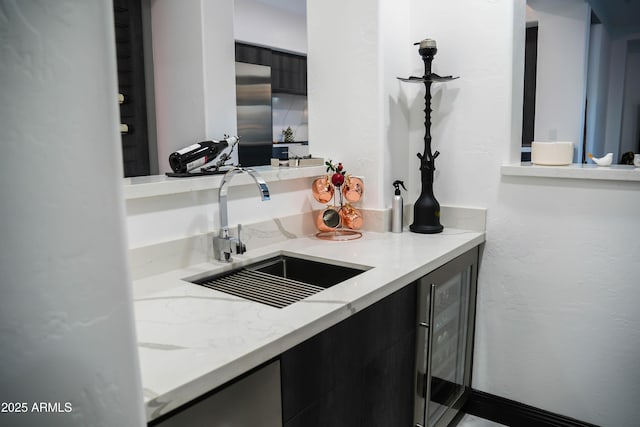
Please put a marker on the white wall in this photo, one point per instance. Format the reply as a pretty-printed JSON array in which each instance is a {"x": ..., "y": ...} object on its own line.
[
  {"x": 472, "y": 116},
  {"x": 261, "y": 24},
  {"x": 154, "y": 220},
  {"x": 194, "y": 73},
  {"x": 557, "y": 326},
  {"x": 219, "y": 73},
  {"x": 351, "y": 80},
  {"x": 66, "y": 308},
  {"x": 290, "y": 111},
  {"x": 563, "y": 34},
  {"x": 398, "y": 159}
]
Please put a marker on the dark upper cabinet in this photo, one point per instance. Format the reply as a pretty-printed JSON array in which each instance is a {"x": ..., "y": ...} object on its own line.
[
  {"x": 253, "y": 54},
  {"x": 131, "y": 86},
  {"x": 288, "y": 71}
]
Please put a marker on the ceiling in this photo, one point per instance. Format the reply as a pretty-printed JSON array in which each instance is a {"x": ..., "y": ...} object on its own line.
[
  {"x": 621, "y": 17},
  {"x": 297, "y": 7}
]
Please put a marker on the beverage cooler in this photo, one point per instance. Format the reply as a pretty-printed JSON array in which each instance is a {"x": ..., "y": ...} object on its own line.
[{"x": 446, "y": 314}]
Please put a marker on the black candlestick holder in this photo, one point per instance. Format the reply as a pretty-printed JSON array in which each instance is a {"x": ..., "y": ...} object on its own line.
[{"x": 426, "y": 210}]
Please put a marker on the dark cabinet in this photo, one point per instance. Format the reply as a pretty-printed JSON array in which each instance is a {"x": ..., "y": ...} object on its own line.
[
  {"x": 131, "y": 86},
  {"x": 404, "y": 361},
  {"x": 253, "y": 54},
  {"x": 288, "y": 71},
  {"x": 251, "y": 400},
  {"x": 356, "y": 373}
]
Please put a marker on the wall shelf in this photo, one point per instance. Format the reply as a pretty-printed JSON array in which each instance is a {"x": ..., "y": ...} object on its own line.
[
  {"x": 574, "y": 171},
  {"x": 161, "y": 185}
]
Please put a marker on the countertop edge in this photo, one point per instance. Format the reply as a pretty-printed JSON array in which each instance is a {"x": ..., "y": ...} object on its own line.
[{"x": 161, "y": 185}]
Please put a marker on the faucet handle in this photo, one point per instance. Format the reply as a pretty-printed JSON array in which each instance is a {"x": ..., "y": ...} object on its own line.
[{"x": 240, "y": 247}]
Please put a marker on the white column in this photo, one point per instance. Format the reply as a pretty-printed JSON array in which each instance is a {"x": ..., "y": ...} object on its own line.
[
  {"x": 66, "y": 310},
  {"x": 354, "y": 56}
]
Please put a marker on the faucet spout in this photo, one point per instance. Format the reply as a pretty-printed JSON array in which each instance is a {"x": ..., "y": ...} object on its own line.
[
  {"x": 262, "y": 185},
  {"x": 224, "y": 189},
  {"x": 222, "y": 244}
]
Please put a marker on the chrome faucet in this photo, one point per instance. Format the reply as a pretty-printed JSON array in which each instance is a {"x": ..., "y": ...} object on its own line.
[{"x": 223, "y": 244}]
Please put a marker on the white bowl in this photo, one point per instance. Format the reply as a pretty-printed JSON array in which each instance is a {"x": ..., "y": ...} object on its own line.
[{"x": 557, "y": 153}]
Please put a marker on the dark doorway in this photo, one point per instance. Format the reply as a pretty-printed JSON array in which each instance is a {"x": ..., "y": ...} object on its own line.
[
  {"x": 131, "y": 86},
  {"x": 529, "y": 101}
]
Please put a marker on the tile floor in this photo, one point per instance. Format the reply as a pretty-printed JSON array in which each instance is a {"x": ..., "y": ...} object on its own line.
[{"x": 473, "y": 421}]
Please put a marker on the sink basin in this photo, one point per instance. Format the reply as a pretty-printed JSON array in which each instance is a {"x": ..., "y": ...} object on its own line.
[
  {"x": 316, "y": 273},
  {"x": 281, "y": 280}
]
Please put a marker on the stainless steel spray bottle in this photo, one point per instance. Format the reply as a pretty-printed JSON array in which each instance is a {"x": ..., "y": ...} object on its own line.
[{"x": 396, "y": 208}]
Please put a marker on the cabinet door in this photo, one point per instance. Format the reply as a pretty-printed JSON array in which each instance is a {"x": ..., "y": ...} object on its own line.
[
  {"x": 289, "y": 73},
  {"x": 251, "y": 401},
  {"x": 356, "y": 373},
  {"x": 253, "y": 54},
  {"x": 446, "y": 301}
]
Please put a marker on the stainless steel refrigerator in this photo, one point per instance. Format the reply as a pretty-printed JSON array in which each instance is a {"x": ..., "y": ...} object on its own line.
[{"x": 253, "y": 101}]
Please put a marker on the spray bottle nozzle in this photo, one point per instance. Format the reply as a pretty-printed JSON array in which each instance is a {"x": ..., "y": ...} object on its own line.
[{"x": 397, "y": 183}]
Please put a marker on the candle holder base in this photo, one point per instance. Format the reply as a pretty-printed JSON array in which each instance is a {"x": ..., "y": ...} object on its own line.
[
  {"x": 426, "y": 216},
  {"x": 426, "y": 210},
  {"x": 426, "y": 229}
]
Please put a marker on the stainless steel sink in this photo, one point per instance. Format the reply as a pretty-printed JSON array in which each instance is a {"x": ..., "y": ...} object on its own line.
[
  {"x": 281, "y": 280},
  {"x": 313, "y": 272}
]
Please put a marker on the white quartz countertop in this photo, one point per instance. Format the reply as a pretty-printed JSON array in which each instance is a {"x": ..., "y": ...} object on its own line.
[{"x": 193, "y": 339}]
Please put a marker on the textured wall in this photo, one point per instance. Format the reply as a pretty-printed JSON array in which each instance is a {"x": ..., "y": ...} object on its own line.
[
  {"x": 558, "y": 324},
  {"x": 66, "y": 312},
  {"x": 357, "y": 109}
]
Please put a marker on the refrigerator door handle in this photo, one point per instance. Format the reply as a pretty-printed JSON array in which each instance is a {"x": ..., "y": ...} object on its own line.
[{"x": 430, "y": 333}]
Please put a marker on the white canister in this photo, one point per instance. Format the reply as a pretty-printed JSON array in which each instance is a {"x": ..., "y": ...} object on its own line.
[
  {"x": 557, "y": 153},
  {"x": 636, "y": 160}
]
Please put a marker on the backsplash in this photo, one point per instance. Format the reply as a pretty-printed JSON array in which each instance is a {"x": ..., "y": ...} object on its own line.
[
  {"x": 180, "y": 253},
  {"x": 290, "y": 111}
]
